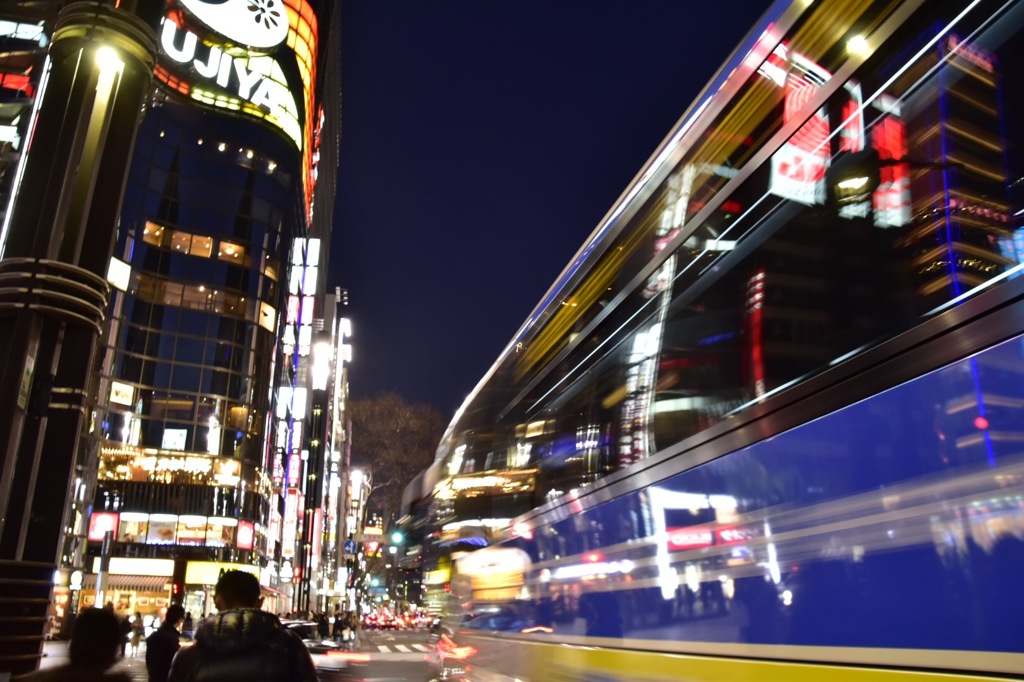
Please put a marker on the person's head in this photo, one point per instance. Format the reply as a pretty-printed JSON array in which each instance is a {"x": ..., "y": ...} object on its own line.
[
  {"x": 175, "y": 614},
  {"x": 95, "y": 639},
  {"x": 237, "y": 590}
]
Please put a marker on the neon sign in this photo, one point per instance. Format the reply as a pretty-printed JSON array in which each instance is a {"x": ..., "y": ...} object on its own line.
[{"x": 256, "y": 80}]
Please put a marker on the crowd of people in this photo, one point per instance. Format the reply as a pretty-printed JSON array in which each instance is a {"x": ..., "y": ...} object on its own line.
[{"x": 239, "y": 642}]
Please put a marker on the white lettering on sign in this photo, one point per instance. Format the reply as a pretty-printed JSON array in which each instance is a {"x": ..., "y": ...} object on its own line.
[{"x": 257, "y": 79}]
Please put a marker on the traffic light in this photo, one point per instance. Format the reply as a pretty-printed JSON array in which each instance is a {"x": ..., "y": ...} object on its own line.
[
  {"x": 177, "y": 592},
  {"x": 397, "y": 537}
]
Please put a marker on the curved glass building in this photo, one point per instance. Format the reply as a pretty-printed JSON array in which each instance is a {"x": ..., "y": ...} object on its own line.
[{"x": 221, "y": 210}]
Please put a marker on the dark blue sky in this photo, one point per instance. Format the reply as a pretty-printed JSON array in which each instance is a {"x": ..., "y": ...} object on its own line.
[{"x": 482, "y": 141}]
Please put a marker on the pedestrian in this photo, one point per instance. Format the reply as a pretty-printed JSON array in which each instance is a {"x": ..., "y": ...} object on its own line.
[
  {"x": 323, "y": 626},
  {"x": 187, "y": 628},
  {"x": 163, "y": 644},
  {"x": 138, "y": 633},
  {"x": 95, "y": 641},
  {"x": 336, "y": 630},
  {"x": 126, "y": 634},
  {"x": 242, "y": 642}
]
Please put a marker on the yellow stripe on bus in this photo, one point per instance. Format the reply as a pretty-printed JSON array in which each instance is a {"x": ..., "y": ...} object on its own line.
[{"x": 580, "y": 664}]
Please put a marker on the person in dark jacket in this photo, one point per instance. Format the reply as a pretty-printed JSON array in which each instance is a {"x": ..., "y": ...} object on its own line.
[
  {"x": 94, "y": 647},
  {"x": 323, "y": 626},
  {"x": 163, "y": 644},
  {"x": 241, "y": 642}
]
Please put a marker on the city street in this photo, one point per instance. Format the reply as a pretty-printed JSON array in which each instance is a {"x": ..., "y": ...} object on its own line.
[
  {"x": 389, "y": 655},
  {"x": 380, "y": 655}
]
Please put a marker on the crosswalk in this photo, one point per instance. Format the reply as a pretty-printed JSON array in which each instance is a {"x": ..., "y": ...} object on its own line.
[{"x": 402, "y": 648}]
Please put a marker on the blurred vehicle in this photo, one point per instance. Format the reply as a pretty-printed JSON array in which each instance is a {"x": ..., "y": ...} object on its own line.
[
  {"x": 328, "y": 656},
  {"x": 496, "y": 620},
  {"x": 448, "y": 659},
  {"x": 460, "y": 641}
]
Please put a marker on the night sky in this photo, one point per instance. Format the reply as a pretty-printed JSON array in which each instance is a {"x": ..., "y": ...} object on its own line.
[{"x": 482, "y": 142}]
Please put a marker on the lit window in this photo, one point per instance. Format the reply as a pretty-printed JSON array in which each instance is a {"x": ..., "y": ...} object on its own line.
[
  {"x": 196, "y": 297},
  {"x": 172, "y": 293},
  {"x": 233, "y": 253},
  {"x": 181, "y": 241},
  {"x": 201, "y": 246},
  {"x": 154, "y": 234}
]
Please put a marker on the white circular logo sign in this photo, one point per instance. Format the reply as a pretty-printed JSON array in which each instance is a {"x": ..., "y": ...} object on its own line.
[{"x": 260, "y": 24}]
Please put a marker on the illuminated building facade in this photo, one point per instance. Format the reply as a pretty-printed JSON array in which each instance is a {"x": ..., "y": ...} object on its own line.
[{"x": 232, "y": 174}]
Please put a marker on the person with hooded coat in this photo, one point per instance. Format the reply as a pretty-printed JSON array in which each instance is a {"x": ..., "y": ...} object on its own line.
[{"x": 241, "y": 642}]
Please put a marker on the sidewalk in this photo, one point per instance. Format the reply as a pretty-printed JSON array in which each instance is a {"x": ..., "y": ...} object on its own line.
[{"x": 55, "y": 653}]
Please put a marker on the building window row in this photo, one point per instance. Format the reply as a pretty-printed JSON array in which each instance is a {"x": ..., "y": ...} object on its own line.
[
  {"x": 200, "y": 297},
  {"x": 202, "y": 246},
  {"x": 173, "y": 529}
]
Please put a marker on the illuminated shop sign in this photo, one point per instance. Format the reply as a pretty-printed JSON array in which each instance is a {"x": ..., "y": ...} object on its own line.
[
  {"x": 245, "y": 536},
  {"x": 100, "y": 523},
  {"x": 257, "y": 24},
  {"x": 136, "y": 464},
  {"x": 294, "y": 468},
  {"x": 226, "y": 472},
  {"x": 122, "y": 394},
  {"x": 163, "y": 568},
  {"x": 318, "y": 529},
  {"x": 171, "y": 529},
  {"x": 692, "y": 537},
  {"x": 174, "y": 439},
  {"x": 438, "y": 577},
  {"x": 208, "y": 572},
  {"x": 191, "y": 465},
  {"x": 162, "y": 529},
  {"x": 798, "y": 167},
  {"x": 302, "y": 281},
  {"x": 699, "y": 537},
  {"x": 256, "y": 79},
  {"x": 592, "y": 570},
  {"x": 274, "y": 533},
  {"x": 291, "y": 520}
]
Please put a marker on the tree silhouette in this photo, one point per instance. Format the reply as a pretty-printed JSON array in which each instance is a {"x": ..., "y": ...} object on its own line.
[{"x": 393, "y": 440}]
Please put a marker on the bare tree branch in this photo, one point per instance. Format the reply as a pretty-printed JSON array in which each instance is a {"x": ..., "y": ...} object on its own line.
[{"x": 394, "y": 440}]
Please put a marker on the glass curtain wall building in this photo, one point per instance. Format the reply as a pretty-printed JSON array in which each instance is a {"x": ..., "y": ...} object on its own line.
[{"x": 234, "y": 165}]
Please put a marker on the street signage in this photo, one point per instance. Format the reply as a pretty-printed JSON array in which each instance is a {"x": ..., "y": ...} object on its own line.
[{"x": 349, "y": 546}]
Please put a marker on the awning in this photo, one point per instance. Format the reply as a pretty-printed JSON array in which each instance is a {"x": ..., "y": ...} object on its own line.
[{"x": 131, "y": 583}]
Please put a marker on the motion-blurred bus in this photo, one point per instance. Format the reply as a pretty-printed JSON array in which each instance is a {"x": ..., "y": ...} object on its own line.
[{"x": 769, "y": 422}]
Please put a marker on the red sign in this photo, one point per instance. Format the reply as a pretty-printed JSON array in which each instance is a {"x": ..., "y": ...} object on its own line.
[
  {"x": 100, "y": 523},
  {"x": 698, "y": 537},
  {"x": 690, "y": 537},
  {"x": 244, "y": 536}
]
